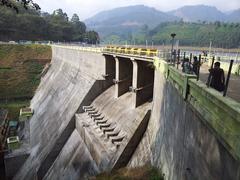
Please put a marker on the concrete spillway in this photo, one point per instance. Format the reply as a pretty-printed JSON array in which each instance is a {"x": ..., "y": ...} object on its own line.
[
  {"x": 95, "y": 113},
  {"x": 70, "y": 81}
]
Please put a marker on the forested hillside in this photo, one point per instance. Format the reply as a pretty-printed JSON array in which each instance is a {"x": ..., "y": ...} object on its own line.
[
  {"x": 222, "y": 35},
  {"x": 35, "y": 26}
]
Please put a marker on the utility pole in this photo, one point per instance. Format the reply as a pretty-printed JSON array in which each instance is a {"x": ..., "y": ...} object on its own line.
[
  {"x": 172, "y": 35},
  {"x": 210, "y": 47}
]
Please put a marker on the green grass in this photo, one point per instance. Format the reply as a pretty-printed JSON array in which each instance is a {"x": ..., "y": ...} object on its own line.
[
  {"x": 14, "y": 108},
  {"x": 20, "y": 69},
  {"x": 145, "y": 172}
]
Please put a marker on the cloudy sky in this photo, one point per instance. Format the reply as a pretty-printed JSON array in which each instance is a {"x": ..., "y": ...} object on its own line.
[{"x": 88, "y": 8}]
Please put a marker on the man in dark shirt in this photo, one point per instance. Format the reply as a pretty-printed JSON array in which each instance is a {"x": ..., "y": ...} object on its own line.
[
  {"x": 195, "y": 65},
  {"x": 217, "y": 77}
]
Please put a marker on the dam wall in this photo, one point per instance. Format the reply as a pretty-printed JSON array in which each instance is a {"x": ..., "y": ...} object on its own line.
[
  {"x": 74, "y": 78},
  {"x": 193, "y": 131},
  {"x": 111, "y": 128},
  {"x": 97, "y": 111}
]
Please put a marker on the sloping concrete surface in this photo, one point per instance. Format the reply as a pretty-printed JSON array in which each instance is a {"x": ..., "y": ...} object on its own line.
[
  {"x": 80, "y": 164},
  {"x": 102, "y": 150},
  {"x": 67, "y": 84}
]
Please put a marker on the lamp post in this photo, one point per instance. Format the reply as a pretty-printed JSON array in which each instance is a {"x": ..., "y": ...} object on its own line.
[{"x": 172, "y": 35}]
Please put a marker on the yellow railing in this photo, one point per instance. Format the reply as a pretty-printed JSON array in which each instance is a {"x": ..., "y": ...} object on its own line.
[{"x": 132, "y": 51}]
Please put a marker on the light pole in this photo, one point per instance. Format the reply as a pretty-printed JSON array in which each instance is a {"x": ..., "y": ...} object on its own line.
[{"x": 172, "y": 35}]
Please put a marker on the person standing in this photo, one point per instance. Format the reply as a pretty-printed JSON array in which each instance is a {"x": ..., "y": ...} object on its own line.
[
  {"x": 186, "y": 68},
  {"x": 217, "y": 78},
  {"x": 195, "y": 65}
]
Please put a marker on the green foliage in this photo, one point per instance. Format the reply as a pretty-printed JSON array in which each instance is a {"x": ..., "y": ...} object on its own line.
[
  {"x": 14, "y": 107},
  {"x": 35, "y": 26},
  {"x": 21, "y": 66},
  {"x": 223, "y": 35}
]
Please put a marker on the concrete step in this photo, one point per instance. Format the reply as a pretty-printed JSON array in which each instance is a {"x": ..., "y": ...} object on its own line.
[
  {"x": 95, "y": 115},
  {"x": 109, "y": 129},
  {"x": 98, "y": 118},
  {"x": 104, "y": 121},
  {"x": 88, "y": 108},
  {"x": 92, "y": 112},
  {"x": 118, "y": 138},
  {"x": 113, "y": 133},
  {"x": 104, "y": 125}
]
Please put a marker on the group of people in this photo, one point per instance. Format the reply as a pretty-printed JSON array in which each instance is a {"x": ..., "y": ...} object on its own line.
[
  {"x": 216, "y": 78},
  {"x": 190, "y": 68}
]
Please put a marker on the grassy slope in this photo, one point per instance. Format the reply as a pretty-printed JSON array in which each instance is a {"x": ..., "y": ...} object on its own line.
[{"x": 20, "y": 68}]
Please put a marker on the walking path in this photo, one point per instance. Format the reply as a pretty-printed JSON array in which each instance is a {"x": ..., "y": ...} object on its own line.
[{"x": 234, "y": 83}]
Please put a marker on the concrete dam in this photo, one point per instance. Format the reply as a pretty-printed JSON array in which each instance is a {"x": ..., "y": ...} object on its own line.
[{"x": 97, "y": 111}]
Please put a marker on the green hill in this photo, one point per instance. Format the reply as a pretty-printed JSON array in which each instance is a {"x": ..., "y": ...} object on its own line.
[{"x": 223, "y": 35}]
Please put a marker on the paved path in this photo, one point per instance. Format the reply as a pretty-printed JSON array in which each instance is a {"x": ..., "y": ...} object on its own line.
[{"x": 234, "y": 83}]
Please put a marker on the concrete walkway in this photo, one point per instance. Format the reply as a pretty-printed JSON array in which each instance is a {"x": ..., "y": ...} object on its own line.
[{"x": 234, "y": 83}]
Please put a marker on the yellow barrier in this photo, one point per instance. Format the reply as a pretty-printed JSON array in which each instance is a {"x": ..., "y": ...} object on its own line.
[{"x": 133, "y": 51}]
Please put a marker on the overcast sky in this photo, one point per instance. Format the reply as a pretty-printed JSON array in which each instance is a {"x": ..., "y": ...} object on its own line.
[{"x": 88, "y": 8}]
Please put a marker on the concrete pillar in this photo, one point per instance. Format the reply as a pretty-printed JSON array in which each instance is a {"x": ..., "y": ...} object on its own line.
[
  {"x": 142, "y": 83},
  {"x": 134, "y": 83},
  {"x": 109, "y": 68},
  {"x": 123, "y": 77}
]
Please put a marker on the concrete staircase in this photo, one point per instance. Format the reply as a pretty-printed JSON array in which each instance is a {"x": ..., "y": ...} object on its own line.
[{"x": 109, "y": 129}]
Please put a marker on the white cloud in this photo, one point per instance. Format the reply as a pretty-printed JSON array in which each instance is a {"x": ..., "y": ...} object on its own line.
[{"x": 87, "y": 8}]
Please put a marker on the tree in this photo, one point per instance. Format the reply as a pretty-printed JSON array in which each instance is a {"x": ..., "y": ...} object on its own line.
[
  {"x": 59, "y": 13},
  {"x": 75, "y": 19},
  {"x": 91, "y": 37},
  {"x": 79, "y": 28},
  {"x": 14, "y": 4},
  {"x": 34, "y": 26}
]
